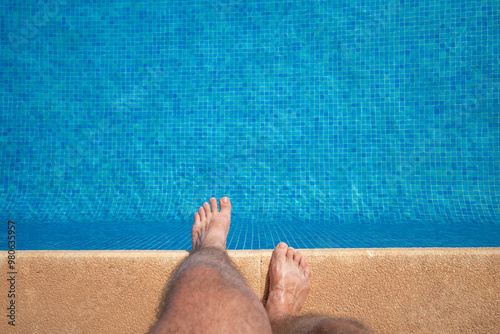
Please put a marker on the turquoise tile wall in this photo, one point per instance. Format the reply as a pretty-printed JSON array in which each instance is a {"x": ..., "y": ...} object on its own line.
[{"x": 327, "y": 123}]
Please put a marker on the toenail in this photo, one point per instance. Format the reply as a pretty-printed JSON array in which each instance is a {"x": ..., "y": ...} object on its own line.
[
  {"x": 282, "y": 245},
  {"x": 225, "y": 199}
]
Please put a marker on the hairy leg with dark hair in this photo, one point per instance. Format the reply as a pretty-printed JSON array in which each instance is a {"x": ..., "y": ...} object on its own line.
[{"x": 208, "y": 295}]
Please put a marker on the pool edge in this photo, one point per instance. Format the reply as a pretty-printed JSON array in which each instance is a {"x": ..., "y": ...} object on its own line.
[{"x": 393, "y": 290}]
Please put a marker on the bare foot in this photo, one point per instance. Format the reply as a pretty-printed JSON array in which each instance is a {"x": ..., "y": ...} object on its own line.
[
  {"x": 210, "y": 226},
  {"x": 289, "y": 282}
]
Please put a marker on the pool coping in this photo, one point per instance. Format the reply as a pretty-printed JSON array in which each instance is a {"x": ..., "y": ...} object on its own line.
[{"x": 393, "y": 290}]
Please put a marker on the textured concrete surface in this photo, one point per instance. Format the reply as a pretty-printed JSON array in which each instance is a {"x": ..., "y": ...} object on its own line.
[{"x": 391, "y": 290}]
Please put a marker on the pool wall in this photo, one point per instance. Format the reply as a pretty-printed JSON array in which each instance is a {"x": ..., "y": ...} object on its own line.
[
  {"x": 391, "y": 290},
  {"x": 328, "y": 123}
]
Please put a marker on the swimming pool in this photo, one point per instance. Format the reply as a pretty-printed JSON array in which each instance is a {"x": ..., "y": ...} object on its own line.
[{"x": 328, "y": 123}]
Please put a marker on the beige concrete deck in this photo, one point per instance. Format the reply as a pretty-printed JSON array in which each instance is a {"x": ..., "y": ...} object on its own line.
[{"x": 391, "y": 290}]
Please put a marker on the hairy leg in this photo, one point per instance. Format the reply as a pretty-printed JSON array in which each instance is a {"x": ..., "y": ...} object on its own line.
[
  {"x": 208, "y": 295},
  {"x": 289, "y": 284},
  {"x": 318, "y": 324}
]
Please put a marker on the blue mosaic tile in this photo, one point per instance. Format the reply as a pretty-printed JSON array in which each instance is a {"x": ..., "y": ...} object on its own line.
[{"x": 328, "y": 123}]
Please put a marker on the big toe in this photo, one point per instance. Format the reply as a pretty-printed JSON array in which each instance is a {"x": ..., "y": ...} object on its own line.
[
  {"x": 280, "y": 251},
  {"x": 225, "y": 204}
]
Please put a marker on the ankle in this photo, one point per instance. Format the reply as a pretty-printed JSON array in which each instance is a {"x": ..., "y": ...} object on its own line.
[
  {"x": 276, "y": 309},
  {"x": 214, "y": 245}
]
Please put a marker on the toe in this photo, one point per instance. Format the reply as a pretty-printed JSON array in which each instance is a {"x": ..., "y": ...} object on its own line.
[
  {"x": 304, "y": 267},
  {"x": 196, "y": 226},
  {"x": 213, "y": 204},
  {"x": 307, "y": 272},
  {"x": 297, "y": 257},
  {"x": 225, "y": 204},
  {"x": 289, "y": 253},
  {"x": 195, "y": 231},
  {"x": 206, "y": 207},
  {"x": 202, "y": 214},
  {"x": 280, "y": 251}
]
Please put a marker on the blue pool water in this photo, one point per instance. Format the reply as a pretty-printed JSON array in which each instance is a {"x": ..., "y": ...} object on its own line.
[{"x": 328, "y": 123}]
